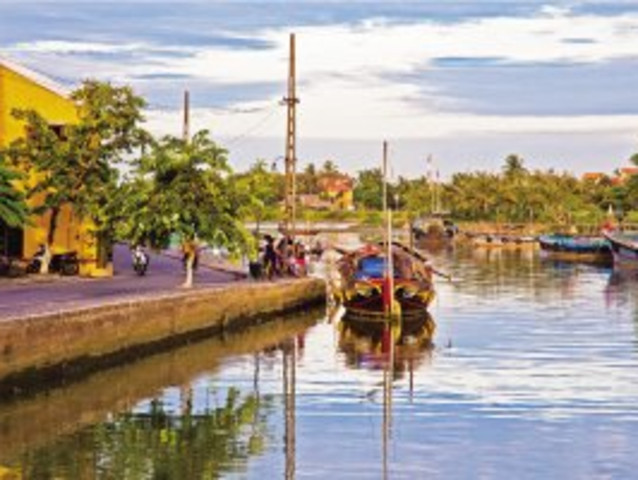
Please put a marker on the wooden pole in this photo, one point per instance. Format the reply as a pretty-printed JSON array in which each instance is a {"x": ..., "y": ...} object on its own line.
[
  {"x": 389, "y": 267},
  {"x": 291, "y": 142},
  {"x": 186, "y": 124}
]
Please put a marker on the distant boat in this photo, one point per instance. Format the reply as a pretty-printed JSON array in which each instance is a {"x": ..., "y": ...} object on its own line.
[
  {"x": 489, "y": 240},
  {"x": 576, "y": 247},
  {"x": 624, "y": 247}
]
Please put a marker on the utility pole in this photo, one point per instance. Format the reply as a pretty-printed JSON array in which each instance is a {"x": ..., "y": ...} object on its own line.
[
  {"x": 291, "y": 143},
  {"x": 431, "y": 185},
  {"x": 186, "y": 130}
]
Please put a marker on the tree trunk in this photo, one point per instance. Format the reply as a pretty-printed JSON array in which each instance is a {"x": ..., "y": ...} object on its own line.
[
  {"x": 190, "y": 258},
  {"x": 53, "y": 225}
]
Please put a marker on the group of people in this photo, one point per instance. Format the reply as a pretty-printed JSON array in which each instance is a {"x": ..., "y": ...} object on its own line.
[{"x": 285, "y": 257}]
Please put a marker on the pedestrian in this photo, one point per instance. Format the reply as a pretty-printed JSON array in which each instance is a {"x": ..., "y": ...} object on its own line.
[{"x": 270, "y": 257}]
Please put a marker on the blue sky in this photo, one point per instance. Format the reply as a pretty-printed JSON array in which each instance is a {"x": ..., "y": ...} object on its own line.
[{"x": 468, "y": 82}]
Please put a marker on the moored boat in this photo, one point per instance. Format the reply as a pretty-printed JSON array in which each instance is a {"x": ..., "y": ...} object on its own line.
[
  {"x": 493, "y": 240},
  {"x": 576, "y": 247},
  {"x": 624, "y": 247},
  {"x": 365, "y": 287}
]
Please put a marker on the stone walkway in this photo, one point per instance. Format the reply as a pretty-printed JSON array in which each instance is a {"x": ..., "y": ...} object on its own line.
[{"x": 30, "y": 296}]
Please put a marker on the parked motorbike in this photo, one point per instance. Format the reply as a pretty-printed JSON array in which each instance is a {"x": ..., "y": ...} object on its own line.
[
  {"x": 66, "y": 263},
  {"x": 140, "y": 261}
]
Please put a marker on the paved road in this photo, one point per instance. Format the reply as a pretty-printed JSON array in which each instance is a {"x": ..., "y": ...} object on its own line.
[{"x": 165, "y": 275}]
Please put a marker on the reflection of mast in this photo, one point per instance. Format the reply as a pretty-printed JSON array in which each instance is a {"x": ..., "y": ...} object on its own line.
[
  {"x": 291, "y": 142},
  {"x": 289, "y": 358},
  {"x": 388, "y": 373}
]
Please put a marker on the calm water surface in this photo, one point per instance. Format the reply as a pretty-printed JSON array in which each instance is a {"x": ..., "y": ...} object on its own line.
[{"x": 532, "y": 372}]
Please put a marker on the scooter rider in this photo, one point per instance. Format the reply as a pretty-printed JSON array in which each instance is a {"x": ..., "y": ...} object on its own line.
[{"x": 140, "y": 260}]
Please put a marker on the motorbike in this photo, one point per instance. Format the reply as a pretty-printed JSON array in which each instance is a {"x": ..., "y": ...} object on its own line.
[
  {"x": 66, "y": 263},
  {"x": 140, "y": 262}
]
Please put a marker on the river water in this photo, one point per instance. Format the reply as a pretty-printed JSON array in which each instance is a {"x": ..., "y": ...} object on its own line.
[{"x": 531, "y": 373}]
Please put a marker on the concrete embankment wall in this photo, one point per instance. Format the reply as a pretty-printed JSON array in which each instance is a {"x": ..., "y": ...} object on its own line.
[{"x": 49, "y": 341}]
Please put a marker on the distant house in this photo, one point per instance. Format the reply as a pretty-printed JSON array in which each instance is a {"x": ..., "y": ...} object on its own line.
[
  {"x": 21, "y": 88},
  {"x": 313, "y": 201},
  {"x": 594, "y": 177},
  {"x": 337, "y": 189},
  {"x": 626, "y": 173}
]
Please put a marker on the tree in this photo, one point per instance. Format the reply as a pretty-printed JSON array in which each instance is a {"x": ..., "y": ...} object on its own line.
[
  {"x": 259, "y": 189},
  {"x": 185, "y": 188},
  {"x": 76, "y": 165},
  {"x": 13, "y": 209},
  {"x": 329, "y": 168},
  {"x": 368, "y": 190},
  {"x": 514, "y": 166},
  {"x": 308, "y": 180}
]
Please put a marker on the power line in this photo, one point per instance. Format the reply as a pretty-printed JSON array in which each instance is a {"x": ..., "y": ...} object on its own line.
[{"x": 253, "y": 128}]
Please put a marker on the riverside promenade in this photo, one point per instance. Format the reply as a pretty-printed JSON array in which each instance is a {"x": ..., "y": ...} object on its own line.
[
  {"x": 50, "y": 325},
  {"x": 34, "y": 295}
]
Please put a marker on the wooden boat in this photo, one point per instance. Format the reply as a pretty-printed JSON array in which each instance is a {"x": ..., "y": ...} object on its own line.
[
  {"x": 494, "y": 240},
  {"x": 364, "y": 286},
  {"x": 624, "y": 248},
  {"x": 576, "y": 247}
]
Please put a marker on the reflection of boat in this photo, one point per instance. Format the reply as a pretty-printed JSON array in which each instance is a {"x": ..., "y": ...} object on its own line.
[
  {"x": 364, "y": 283},
  {"x": 624, "y": 247},
  {"x": 368, "y": 343}
]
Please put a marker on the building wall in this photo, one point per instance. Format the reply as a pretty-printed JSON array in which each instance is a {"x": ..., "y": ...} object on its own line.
[{"x": 18, "y": 90}]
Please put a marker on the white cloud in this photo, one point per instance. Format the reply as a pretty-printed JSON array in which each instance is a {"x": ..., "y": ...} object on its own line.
[
  {"x": 353, "y": 80},
  {"x": 349, "y": 76}
]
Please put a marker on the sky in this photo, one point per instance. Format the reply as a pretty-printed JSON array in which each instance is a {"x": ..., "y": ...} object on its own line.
[{"x": 467, "y": 82}]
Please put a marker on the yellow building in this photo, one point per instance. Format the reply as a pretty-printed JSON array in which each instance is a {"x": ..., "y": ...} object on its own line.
[
  {"x": 337, "y": 188},
  {"x": 24, "y": 89}
]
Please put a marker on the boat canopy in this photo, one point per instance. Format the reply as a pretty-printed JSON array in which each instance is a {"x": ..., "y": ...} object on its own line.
[{"x": 370, "y": 267}]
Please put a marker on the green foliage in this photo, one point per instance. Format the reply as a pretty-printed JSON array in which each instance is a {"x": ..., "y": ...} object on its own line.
[
  {"x": 13, "y": 209},
  {"x": 186, "y": 188},
  {"x": 368, "y": 190},
  {"x": 308, "y": 180},
  {"x": 161, "y": 443},
  {"x": 76, "y": 165},
  {"x": 260, "y": 191}
]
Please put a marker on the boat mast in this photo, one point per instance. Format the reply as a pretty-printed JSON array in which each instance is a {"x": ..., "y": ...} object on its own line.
[
  {"x": 389, "y": 268},
  {"x": 291, "y": 143}
]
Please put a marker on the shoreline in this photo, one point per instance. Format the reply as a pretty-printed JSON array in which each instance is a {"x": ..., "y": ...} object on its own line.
[{"x": 55, "y": 343}]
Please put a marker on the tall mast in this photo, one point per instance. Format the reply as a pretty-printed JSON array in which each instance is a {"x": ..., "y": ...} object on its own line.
[
  {"x": 389, "y": 267},
  {"x": 291, "y": 142}
]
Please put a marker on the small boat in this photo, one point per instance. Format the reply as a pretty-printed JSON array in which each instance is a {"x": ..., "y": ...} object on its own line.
[
  {"x": 494, "y": 240},
  {"x": 576, "y": 247},
  {"x": 434, "y": 230},
  {"x": 364, "y": 283},
  {"x": 624, "y": 247}
]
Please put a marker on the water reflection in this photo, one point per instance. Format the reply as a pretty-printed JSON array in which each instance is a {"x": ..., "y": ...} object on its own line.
[
  {"x": 129, "y": 423},
  {"x": 393, "y": 347},
  {"x": 533, "y": 376},
  {"x": 369, "y": 344}
]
